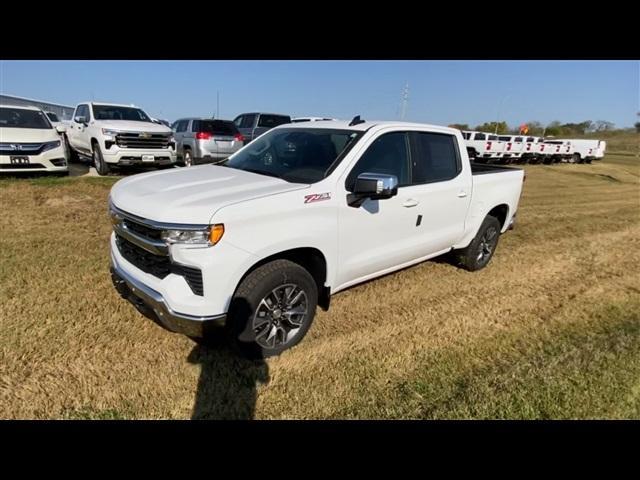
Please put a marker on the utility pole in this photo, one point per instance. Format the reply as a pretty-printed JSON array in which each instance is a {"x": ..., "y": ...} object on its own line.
[
  {"x": 405, "y": 101},
  {"x": 217, "y": 103}
]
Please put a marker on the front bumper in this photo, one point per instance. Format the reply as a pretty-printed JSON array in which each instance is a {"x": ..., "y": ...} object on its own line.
[
  {"x": 54, "y": 160},
  {"x": 133, "y": 156},
  {"x": 153, "y": 305}
]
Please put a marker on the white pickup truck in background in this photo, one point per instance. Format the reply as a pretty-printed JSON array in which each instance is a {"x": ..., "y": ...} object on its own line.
[
  {"x": 304, "y": 211},
  {"x": 483, "y": 147},
  {"x": 119, "y": 135}
]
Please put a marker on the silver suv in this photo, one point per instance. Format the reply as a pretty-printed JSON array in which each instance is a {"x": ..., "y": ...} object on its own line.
[{"x": 205, "y": 140}]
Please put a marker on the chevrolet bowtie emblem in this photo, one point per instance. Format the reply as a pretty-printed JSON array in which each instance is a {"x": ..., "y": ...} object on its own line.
[{"x": 145, "y": 135}]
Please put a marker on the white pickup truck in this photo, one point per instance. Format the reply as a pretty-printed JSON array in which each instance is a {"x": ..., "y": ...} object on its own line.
[
  {"x": 302, "y": 212},
  {"x": 119, "y": 135},
  {"x": 483, "y": 147},
  {"x": 586, "y": 150}
]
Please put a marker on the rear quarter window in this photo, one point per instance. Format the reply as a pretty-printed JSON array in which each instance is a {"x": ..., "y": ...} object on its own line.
[{"x": 271, "y": 121}]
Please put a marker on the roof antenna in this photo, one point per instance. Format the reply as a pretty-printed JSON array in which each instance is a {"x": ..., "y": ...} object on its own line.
[{"x": 356, "y": 120}]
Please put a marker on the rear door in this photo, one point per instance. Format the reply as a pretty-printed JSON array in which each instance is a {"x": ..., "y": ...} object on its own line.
[
  {"x": 442, "y": 187},
  {"x": 245, "y": 123},
  {"x": 179, "y": 132}
]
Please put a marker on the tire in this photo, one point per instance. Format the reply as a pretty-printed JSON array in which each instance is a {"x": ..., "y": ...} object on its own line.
[
  {"x": 187, "y": 158},
  {"x": 588, "y": 160},
  {"x": 102, "y": 167},
  {"x": 73, "y": 155},
  {"x": 481, "y": 249},
  {"x": 254, "y": 315},
  {"x": 577, "y": 158}
]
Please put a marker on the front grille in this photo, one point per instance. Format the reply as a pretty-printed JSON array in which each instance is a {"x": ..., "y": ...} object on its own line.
[
  {"x": 22, "y": 148},
  {"x": 21, "y": 166},
  {"x": 141, "y": 140},
  {"x": 159, "y": 266},
  {"x": 142, "y": 230}
]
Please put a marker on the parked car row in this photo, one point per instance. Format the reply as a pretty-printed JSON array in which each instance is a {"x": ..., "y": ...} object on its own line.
[
  {"x": 485, "y": 147},
  {"x": 112, "y": 135}
]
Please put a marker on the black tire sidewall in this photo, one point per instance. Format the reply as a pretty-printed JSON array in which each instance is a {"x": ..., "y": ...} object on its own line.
[
  {"x": 101, "y": 167},
  {"x": 249, "y": 295},
  {"x": 468, "y": 257}
]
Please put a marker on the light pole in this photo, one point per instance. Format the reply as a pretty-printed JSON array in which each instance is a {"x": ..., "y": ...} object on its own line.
[{"x": 504, "y": 99}]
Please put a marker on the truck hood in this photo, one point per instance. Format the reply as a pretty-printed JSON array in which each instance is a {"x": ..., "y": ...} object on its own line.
[
  {"x": 28, "y": 135},
  {"x": 129, "y": 126},
  {"x": 192, "y": 195}
]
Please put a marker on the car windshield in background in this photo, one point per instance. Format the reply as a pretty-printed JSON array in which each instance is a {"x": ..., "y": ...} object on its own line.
[
  {"x": 22, "y": 118},
  {"x": 215, "y": 127},
  {"x": 53, "y": 117},
  {"x": 271, "y": 121},
  {"x": 294, "y": 155},
  {"x": 110, "y": 112}
]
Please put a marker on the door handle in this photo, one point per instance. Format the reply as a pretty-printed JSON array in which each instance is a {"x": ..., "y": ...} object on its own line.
[
  {"x": 462, "y": 194},
  {"x": 410, "y": 202}
]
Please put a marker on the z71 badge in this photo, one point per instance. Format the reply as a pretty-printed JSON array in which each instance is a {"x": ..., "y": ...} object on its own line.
[{"x": 317, "y": 197}]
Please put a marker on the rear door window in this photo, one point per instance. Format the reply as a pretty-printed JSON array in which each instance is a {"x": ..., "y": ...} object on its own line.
[
  {"x": 480, "y": 136},
  {"x": 248, "y": 121},
  {"x": 434, "y": 158}
]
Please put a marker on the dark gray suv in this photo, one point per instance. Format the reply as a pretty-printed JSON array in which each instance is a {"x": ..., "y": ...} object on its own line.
[{"x": 252, "y": 125}]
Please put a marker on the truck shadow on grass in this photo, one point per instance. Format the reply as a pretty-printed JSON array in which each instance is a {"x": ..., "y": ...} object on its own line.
[{"x": 227, "y": 387}]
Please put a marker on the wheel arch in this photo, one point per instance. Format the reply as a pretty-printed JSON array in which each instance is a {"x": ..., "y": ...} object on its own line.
[{"x": 309, "y": 258}]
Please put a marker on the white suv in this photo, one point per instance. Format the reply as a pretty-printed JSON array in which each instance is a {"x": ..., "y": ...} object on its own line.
[
  {"x": 122, "y": 135},
  {"x": 29, "y": 143}
]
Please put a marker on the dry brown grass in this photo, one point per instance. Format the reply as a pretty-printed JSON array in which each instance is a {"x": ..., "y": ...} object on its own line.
[{"x": 550, "y": 329}]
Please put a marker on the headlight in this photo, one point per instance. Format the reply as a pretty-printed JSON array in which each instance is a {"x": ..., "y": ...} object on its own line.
[
  {"x": 50, "y": 145},
  {"x": 110, "y": 133},
  {"x": 209, "y": 236}
]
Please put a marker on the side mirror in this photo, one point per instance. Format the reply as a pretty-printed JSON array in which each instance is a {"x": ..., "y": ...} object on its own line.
[
  {"x": 376, "y": 186},
  {"x": 81, "y": 119},
  {"x": 61, "y": 128}
]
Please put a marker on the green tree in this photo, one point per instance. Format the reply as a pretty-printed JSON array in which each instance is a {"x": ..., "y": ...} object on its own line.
[
  {"x": 637, "y": 125},
  {"x": 535, "y": 128},
  {"x": 553, "y": 129},
  {"x": 460, "y": 126},
  {"x": 490, "y": 127}
]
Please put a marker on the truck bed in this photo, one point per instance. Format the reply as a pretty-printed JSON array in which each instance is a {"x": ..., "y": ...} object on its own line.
[{"x": 481, "y": 169}]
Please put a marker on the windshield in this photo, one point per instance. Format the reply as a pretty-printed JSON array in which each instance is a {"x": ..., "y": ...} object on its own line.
[
  {"x": 295, "y": 155},
  {"x": 53, "y": 117},
  {"x": 112, "y": 112},
  {"x": 22, "y": 118}
]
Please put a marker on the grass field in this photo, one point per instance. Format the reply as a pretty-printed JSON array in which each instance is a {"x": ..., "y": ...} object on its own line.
[{"x": 551, "y": 329}]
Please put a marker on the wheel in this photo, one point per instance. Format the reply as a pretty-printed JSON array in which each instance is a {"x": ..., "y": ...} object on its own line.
[
  {"x": 481, "y": 249},
  {"x": 272, "y": 309},
  {"x": 73, "y": 155},
  {"x": 588, "y": 160},
  {"x": 187, "y": 158},
  {"x": 102, "y": 167}
]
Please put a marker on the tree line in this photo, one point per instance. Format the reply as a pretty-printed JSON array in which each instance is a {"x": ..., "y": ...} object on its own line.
[{"x": 552, "y": 129}]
